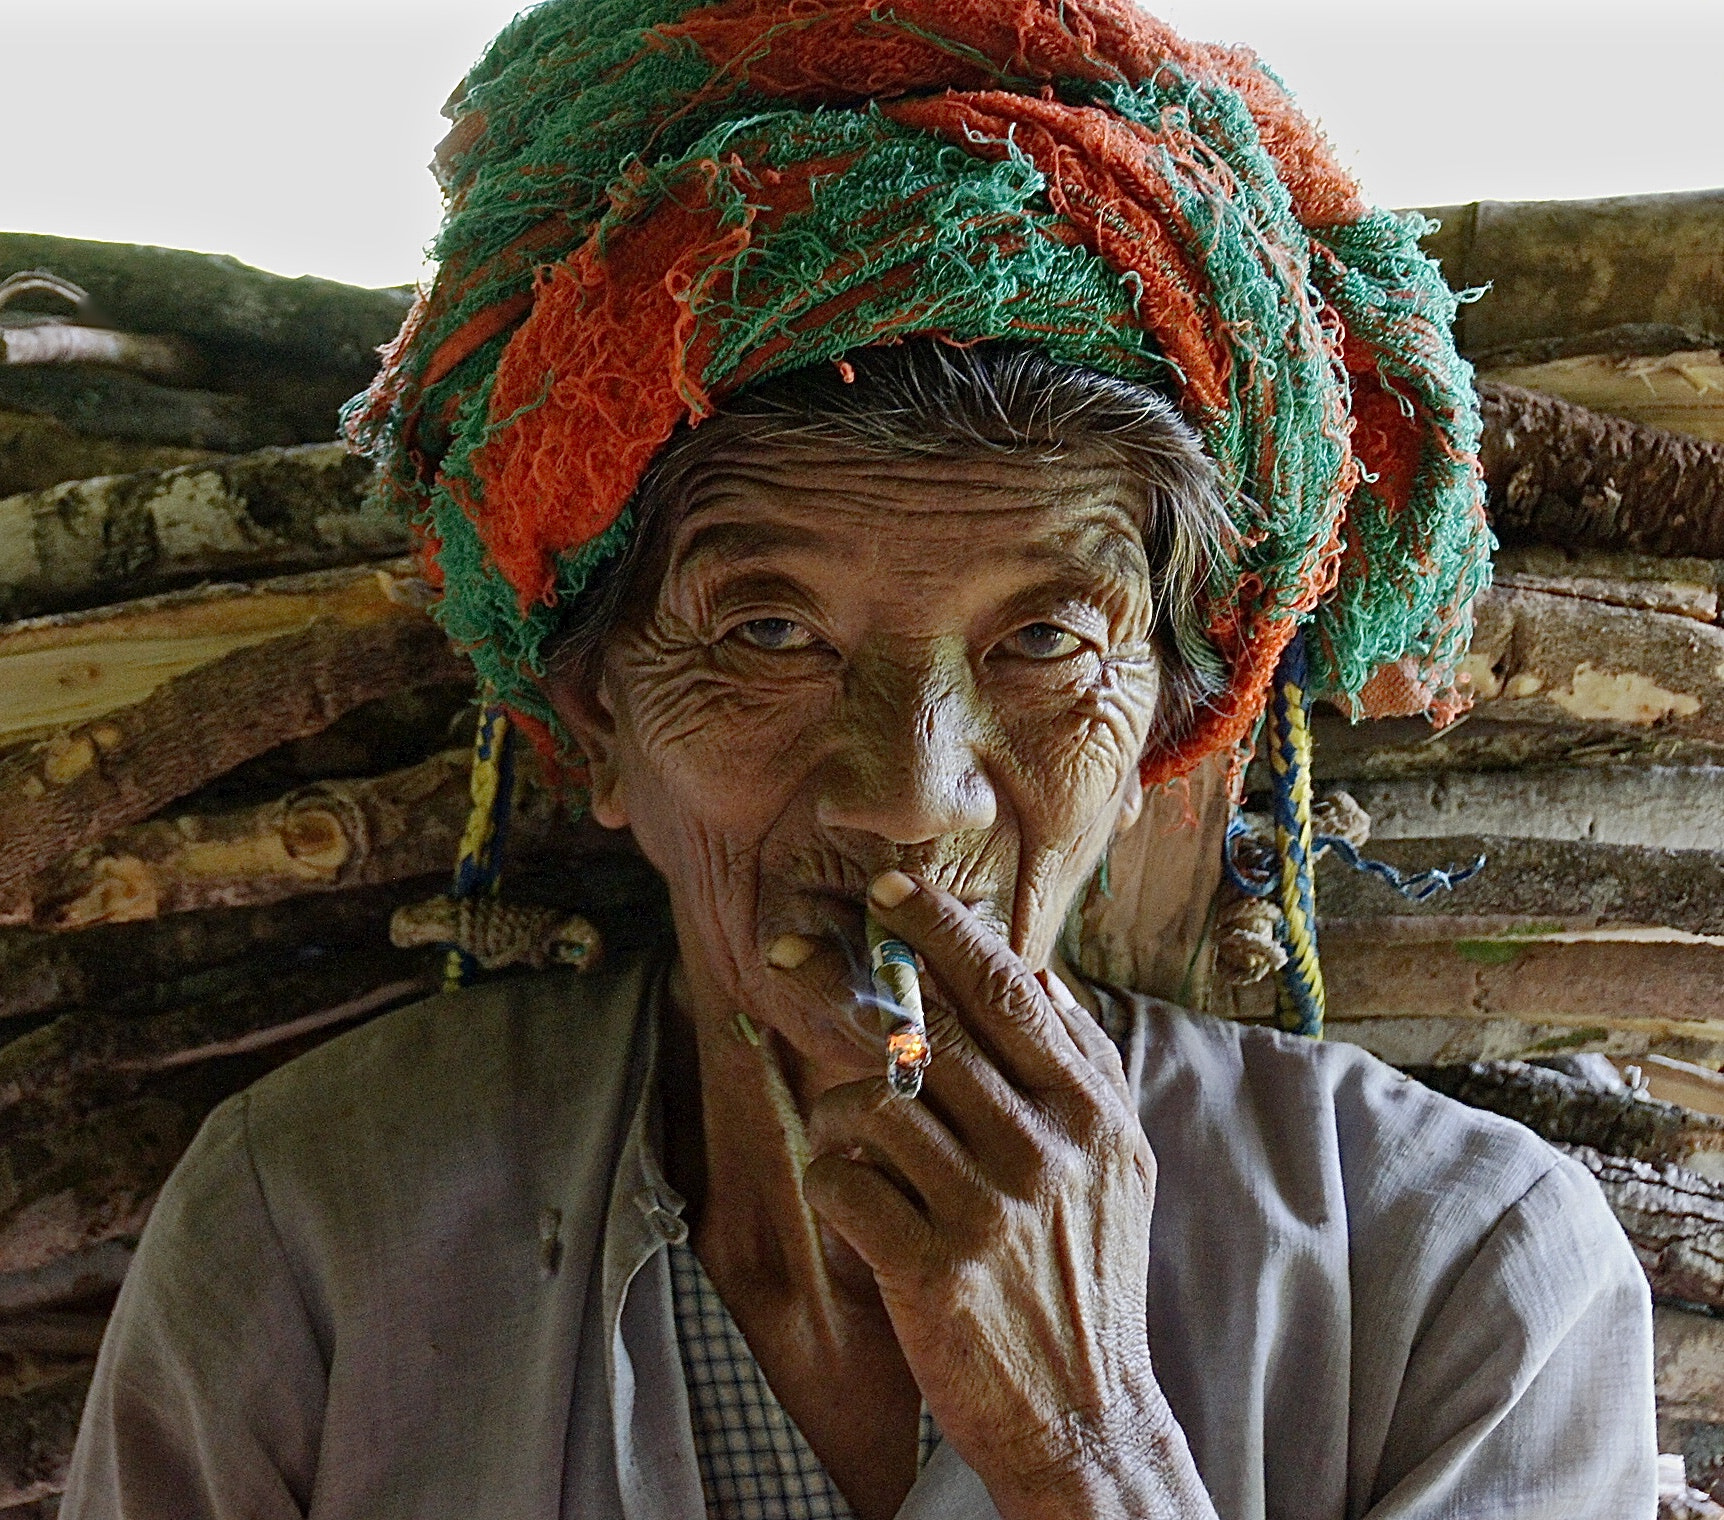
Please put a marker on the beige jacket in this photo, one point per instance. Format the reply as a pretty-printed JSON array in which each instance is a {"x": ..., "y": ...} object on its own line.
[{"x": 421, "y": 1272}]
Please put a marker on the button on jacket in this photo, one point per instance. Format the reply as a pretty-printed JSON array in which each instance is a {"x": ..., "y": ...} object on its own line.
[{"x": 422, "y": 1272}]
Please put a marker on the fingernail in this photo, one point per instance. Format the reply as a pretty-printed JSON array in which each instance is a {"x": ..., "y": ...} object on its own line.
[
  {"x": 890, "y": 888},
  {"x": 789, "y": 951}
]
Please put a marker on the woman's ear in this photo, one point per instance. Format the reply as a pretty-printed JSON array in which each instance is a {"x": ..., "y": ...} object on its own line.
[
  {"x": 1131, "y": 804},
  {"x": 579, "y": 698}
]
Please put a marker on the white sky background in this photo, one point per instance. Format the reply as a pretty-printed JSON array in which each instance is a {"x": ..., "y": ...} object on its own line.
[{"x": 293, "y": 134}]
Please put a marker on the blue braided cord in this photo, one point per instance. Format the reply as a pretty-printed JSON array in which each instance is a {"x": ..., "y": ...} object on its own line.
[
  {"x": 1300, "y": 980},
  {"x": 1255, "y": 879},
  {"x": 1415, "y": 888}
]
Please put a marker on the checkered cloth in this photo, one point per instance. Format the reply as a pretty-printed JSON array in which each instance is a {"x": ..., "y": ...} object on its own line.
[{"x": 754, "y": 1463}]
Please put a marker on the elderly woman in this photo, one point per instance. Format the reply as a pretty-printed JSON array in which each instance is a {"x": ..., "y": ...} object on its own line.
[{"x": 1053, "y": 389}]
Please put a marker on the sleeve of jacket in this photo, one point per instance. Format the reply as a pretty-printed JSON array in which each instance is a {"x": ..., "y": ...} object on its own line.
[
  {"x": 208, "y": 1395},
  {"x": 1529, "y": 1393}
]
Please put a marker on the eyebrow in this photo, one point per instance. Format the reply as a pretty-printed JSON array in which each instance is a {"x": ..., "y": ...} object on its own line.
[{"x": 744, "y": 541}]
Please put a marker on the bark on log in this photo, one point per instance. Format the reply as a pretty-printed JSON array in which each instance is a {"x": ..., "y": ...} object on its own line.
[
  {"x": 127, "y": 763},
  {"x": 1688, "y": 1364},
  {"x": 320, "y": 838},
  {"x": 1561, "y": 268},
  {"x": 38, "y": 452},
  {"x": 135, "y": 410},
  {"x": 1545, "y": 881},
  {"x": 272, "y": 512},
  {"x": 92, "y": 1276},
  {"x": 1558, "y": 473},
  {"x": 150, "y": 967},
  {"x": 83, "y": 1155},
  {"x": 1660, "y": 807},
  {"x": 1681, "y": 391},
  {"x": 1673, "y": 1218},
  {"x": 1538, "y": 658},
  {"x": 55, "y": 1068},
  {"x": 1617, "y": 1121},
  {"x": 37, "y": 1430},
  {"x": 387, "y": 734}
]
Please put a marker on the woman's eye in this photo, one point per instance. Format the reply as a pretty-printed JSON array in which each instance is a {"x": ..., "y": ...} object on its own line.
[
  {"x": 774, "y": 634},
  {"x": 1044, "y": 641}
]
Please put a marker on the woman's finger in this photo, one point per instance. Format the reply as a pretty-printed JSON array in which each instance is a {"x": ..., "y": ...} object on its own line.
[
  {"x": 908, "y": 1138},
  {"x": 1086, "y": 1033},
  {"x": 1002, "y": 1006},
  {"x": 875, "y": 1218}
]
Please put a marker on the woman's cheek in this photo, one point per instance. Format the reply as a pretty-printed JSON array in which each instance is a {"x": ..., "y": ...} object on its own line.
[
  {"x": 721, "y": 747},
  {"x": 1076, "y": 744}
]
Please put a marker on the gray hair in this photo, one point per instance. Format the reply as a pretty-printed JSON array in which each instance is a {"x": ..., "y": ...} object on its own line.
[{"x": 927, "y": 397}]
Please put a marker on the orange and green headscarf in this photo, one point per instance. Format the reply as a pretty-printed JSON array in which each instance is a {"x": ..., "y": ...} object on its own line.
[{"x": 653, "y": 203}]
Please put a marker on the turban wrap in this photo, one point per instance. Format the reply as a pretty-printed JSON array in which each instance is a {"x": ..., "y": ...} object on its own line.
[{"x": 652, "y": 203}]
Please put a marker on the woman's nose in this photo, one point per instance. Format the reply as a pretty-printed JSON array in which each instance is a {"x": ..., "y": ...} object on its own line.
[{"x": 908, "y": 765}]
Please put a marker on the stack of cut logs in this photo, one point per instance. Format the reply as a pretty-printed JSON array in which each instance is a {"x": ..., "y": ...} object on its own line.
[{"x": 233, "y": 745}]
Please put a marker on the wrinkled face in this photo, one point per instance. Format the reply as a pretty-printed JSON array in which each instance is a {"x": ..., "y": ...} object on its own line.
[{"x": 856, "y": 663}]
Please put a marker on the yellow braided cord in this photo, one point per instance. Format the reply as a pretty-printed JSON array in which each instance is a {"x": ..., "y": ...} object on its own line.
[
  {"x": 482, "y": 788},
  {"x": 1300, "y": 992}
]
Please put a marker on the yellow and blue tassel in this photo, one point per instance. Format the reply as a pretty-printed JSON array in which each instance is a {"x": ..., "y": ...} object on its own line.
[{"x": 479, "y": 862}]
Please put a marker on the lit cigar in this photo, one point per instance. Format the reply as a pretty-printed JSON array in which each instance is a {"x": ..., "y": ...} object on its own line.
[{"x": 892, "y": 968}]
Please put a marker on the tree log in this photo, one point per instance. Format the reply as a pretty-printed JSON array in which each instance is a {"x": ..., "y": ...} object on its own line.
[
  {"x": 1545, "y": 881},
  {"x": 134, "y": 410},
  {"x": 1438, "y": 1003},
  {"x": 53, "y": 1332},
  {"x": 1687, "y": 587},
  {"x": 326, "y": 837},
  {"x": 129, "y": 762},
  {"x": 1393, "y": 748},
  {"x": 1617, "y": 1121},
  {"x": 220, "y": 303},
  {"x": 54, "y": 1069},
  {"x": 1682, "y": 392},
  {"x": 1561, "y": 268},
  {"x": 170, "y": 359},
  {"x": 320, "y": 838},
  {"x": 1660, "y": 807},
  {"x": 37, "y": 1430},
  {"x": 38, "y": 452},
  {"x": 76, "y": 666},
  {"x": 275, "y": 511},
  {"x": 152, "y": 966},
  {"x": 92, "y": 1276},
  {"x": 87, "y": 1144},
  {"x": 1536, "y": 658},
  {"x": 1558, "y": 473},
  {"x": 1673, "y": 1218}
]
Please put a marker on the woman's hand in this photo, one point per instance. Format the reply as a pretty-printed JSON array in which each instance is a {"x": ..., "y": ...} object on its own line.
[{"x": 1006, "y": 1217}]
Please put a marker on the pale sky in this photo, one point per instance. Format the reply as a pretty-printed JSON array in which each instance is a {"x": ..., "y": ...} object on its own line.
[{"x": 293, "y": 134}]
